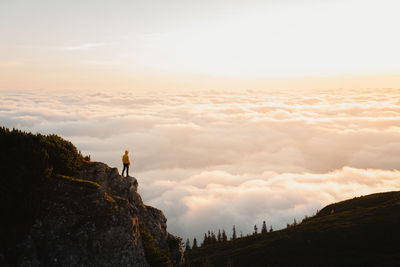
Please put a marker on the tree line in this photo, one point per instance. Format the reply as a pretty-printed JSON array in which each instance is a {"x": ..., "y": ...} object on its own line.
[{"x": 212, "y": 238}]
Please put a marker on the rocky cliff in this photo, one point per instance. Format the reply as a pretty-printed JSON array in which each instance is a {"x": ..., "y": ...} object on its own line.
[{"x": 97, "y": 218}]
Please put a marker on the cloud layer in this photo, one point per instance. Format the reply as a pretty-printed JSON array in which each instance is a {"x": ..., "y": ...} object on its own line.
[{"x": 212, "y": 159}]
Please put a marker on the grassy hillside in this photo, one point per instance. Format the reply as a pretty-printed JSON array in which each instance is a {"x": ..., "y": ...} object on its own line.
[
  {"x": 28, "y": 163},
  {"x": 363, "y": 231}
]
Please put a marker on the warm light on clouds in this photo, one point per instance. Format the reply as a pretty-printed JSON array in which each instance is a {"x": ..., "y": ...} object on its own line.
[
  {"x": 213, "y": 159},
  {"x": 235, "y": 112},
  {"x": 276, "y": 199}
]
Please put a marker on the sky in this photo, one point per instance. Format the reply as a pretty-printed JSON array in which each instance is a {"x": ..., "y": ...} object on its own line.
[
  {"x": 234, "y": 112},
  {"x": 141, "y": 45}
]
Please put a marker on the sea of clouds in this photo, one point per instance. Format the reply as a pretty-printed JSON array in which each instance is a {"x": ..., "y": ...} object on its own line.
[{"x": 211, "y": 160}]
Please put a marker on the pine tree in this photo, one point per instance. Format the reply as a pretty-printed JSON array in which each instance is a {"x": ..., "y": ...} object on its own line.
[
  {"x": 194, "y": 243},
  {"x": 219, "y": 236},
  {"x": 270, "y": 229},
  {"x": 209, "y": 237},
  {"x": 255, "y": 229},
  {"x": 205, "y": 241},
  {"x": 233, "y": 233},
  {"x": 187, "y": 246},
  {"x": 224, "y": 237},
  {"x": 213, "y": 238},
  {"x": 264, "y": 228}
]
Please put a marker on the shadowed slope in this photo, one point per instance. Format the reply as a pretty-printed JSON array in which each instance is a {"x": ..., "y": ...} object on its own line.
[
  {"x": 60, "y": 210},
  {"x": 362, "y": 231}
]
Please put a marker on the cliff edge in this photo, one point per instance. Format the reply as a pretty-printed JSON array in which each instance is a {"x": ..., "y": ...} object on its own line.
[{"x": 62, "y": 210}]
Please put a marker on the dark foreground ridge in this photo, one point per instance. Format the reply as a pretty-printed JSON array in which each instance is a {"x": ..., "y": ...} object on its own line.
[
  {"x": 363, "y": 231},
  {"x": 59, "y": 209}
]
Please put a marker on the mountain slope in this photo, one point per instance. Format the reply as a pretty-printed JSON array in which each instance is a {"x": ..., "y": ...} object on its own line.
[
  {"x": 59, "y": 209},
  {"x": 363, "y": 231}
]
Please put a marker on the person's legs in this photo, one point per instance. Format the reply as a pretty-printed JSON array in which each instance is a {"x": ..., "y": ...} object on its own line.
[
  {"x": 123, "y": 170},
  {"x": 127, "y": 170}
]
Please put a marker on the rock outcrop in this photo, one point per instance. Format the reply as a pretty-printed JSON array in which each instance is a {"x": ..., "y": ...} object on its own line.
[
  {"x": 125, "y": 192},
  {"x": 93, "y": 220}
]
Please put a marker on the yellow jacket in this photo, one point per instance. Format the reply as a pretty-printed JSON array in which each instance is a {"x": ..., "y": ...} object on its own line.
[{"x": 125, "y": 158}]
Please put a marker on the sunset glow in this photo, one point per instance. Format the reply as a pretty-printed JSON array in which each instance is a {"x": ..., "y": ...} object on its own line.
[
  {"x": 166, "y": 41},
  {"x": 234, "y": 112}
]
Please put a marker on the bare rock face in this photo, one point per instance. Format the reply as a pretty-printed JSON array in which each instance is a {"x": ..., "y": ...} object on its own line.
[
  {"x": 82, "y": 226},
  {"x": 124, "y": 189},
  {"x": 93, "y": 220}
]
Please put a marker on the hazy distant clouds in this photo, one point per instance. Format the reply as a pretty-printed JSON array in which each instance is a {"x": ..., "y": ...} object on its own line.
[{"x": 213, "y": 159}]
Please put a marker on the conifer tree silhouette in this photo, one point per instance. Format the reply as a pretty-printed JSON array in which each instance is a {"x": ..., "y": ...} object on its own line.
[
  {"x": 224, "y": 237},
  {"x": 264, "y": 228},
  {"x": 194, "y": 243},
  {"x": 233, "y": 233},
  {"x": 213, "y": 238},
  {"x": 187, "y": 245},
  {"x": 205, "y": 240}
]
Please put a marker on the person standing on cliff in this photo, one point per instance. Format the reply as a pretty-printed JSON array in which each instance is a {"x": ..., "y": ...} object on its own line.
[{"x": 126, "y": 162}]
